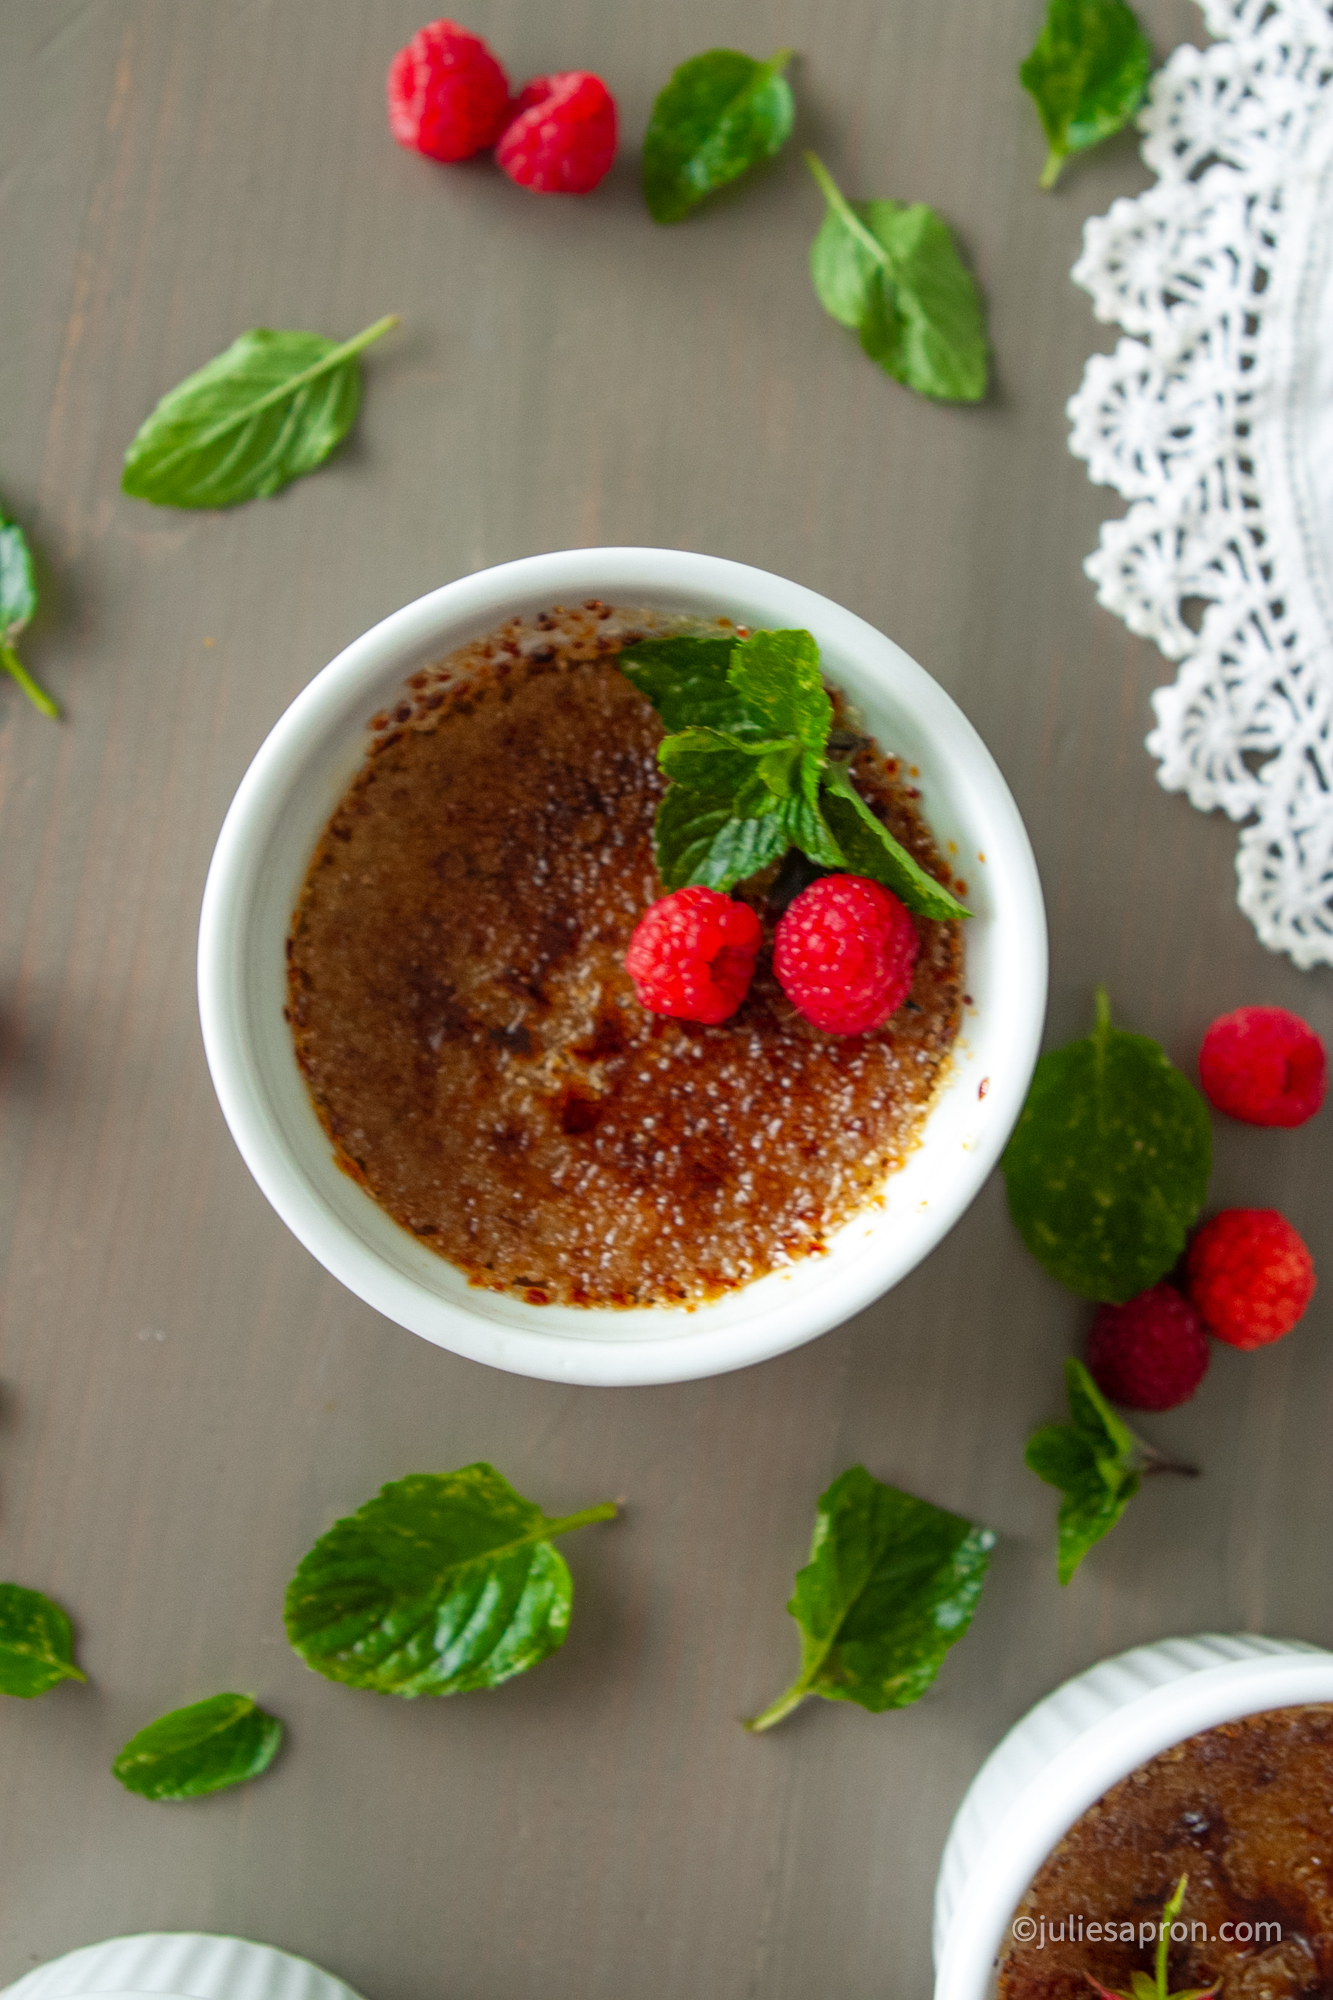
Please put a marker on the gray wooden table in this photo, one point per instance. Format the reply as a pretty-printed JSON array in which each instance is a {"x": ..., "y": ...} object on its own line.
[{"x": 186, "y": 1399}]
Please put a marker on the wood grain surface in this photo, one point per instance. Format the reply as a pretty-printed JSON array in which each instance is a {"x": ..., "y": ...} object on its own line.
[{"x": 186, "y": 1399}]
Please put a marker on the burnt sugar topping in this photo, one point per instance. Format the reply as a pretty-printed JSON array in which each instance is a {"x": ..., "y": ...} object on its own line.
[
  {"x": 1245, "y": 1813},
  {"x": 471, "y": 1039}
]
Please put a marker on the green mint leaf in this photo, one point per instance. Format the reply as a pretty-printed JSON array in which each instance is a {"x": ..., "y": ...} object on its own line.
[
  {"x": 18, "y": 602},
  {"x": 721, "y": 113},
  {"x": 36, "y": 1643},
  {"x": 1096, "y": 1462},
  {"x": 776, "y": 675},
  {"x": 267, "y": 410},
  {"x": 891, "y": 1584},
  {"x": 445, "y": 1582},
  {"x": 686, "y": 682},
  {"x": 708, "y": 760},
  {"x": 702, "y": 839},
  {"x": 1108, "y": 1165},
  {"x": 872, "y": 850},
  {"x": 782, "y": 770},
  {"x": 204, "y": 1748},
  {"x": 807, "y": 828},
  {"x": 18, "y": 582},
  {"x": 893, "y": 274},
  {"x": 1087, "y": 74}
]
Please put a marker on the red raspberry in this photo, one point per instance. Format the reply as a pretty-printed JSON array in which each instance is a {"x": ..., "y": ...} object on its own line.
[
  {"x": 844, "y": 953},
  {"x": 448, "y": 96},
  {"x": 1250, "y": 1275},
  {"x": 1150, "y": 1353},
  {"x": 1264, "y": 1065},
  {"x": 563, "y": 136},
  {"x": 692, "y": 955}
]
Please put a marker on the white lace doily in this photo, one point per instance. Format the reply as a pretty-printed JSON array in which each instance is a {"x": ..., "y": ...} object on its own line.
[{"x": 1215, "y": 420}]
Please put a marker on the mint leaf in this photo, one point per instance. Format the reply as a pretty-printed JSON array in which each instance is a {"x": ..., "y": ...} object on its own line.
[
  {"x": 204, "y": 1748},
  {"x": 36, "y": 1643},
  {"x": 776, "y": 675},
  {"x": 701, "y": 839},
  {"x": 893, "y": 274},
  {"x": 891, "y": 1584},
  {"x": 707, "y": 760},
  {"x": 267, "y": 410},
  {"x": 445, "y": 1582},
  {"x": 1108, "y": 1165},
  {"x": 783, "y": 770},
  {"x": 1087, "y": 74},
  {"x": 872, "y": 850},
  {"x": 18, "y": 584},
  {"x": 721, "y": 113},
  {"x": 18, "y": 602},
  {"x": 807, "y": 829},
  {"x": 1096, "y": 1462},
  {"x": 686, "y": 682}
]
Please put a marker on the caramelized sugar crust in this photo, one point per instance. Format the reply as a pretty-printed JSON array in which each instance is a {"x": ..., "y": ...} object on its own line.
[
  {"x": 472, "y": 1042},
  {"x": 1246, "y": 1811}
]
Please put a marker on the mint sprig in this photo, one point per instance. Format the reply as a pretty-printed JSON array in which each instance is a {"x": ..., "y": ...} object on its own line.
[
  {"x": 891, "y": 1584},
  {"x": 1097, "y": 1463},
  {"x": 751, "y": 775},
  {"x": 267, "y": 410},
  {"x": 207, "y": 1747},
  {"x": 18, "y": 601},
  {"x": 892, "y": 273},
  {"x": 443, "y": 1583},
  {"x": 1086, "y": 75},
  {"x": 1144, "y": 1988},
  {"x": 36, "y": 1643},
  {"x": 1108, "y": 1165},
  {"x": 720, "y": 114}
]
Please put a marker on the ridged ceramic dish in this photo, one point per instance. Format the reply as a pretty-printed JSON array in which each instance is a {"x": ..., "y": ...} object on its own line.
[
  {"x": 1070, "y": 1749},
  {"x": 178, "y": 1965},
  {"x": 264, "y": 849}
]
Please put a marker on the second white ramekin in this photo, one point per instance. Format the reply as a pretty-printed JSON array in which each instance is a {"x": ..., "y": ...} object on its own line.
[{"x": 1070, "y": 1749}]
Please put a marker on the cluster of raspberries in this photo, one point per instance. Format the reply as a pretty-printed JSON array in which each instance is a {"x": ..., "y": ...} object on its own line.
[
  {"x": 449, "y": 98},
  {"x": 844, "y": 954},
  {"x": 1248, "y": 1277}
]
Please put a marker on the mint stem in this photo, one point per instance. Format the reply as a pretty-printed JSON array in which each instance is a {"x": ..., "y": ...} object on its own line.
[
  {"x": 778, "y": 62},
  {"x": 1050, "y": 173},
  {"x": 1157, "y": 1461},
  {"x": 605, "y": 1511},
  {"x": 844, "y": 211},
  {"x": 784, "y": 1705},
  {"x": 37, "y": 695}
]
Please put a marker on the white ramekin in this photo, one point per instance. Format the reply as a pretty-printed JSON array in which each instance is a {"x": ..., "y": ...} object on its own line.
[
  {"x": 1070, "y": 1749},
  {"x": 178, "y": 1965},
  {"x": 264, "y": 848}
]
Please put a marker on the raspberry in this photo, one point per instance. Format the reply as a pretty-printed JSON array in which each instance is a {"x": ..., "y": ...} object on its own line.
[
  {"x": 1264, "y": 1065},
  {"x": 448, "y": 96},
  {"x": 563, "y": 135},
  {"x": 1250, "y": 1275},
  {"x": 844, "y": 953},
  {"x": 692, "y": 955},
  {"x": 1150, "y": 1353}
]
